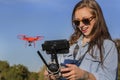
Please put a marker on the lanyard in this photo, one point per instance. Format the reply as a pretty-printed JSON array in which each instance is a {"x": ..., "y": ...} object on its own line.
[{"x": 79, "y": 61}]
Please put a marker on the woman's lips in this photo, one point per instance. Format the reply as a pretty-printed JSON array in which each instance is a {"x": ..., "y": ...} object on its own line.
[{"x": 84, "y": 29}]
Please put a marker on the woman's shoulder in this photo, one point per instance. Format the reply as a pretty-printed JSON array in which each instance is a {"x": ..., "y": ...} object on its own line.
[
  {"x": 108, "y": 42},
  {"x": 109, "y": 45}
]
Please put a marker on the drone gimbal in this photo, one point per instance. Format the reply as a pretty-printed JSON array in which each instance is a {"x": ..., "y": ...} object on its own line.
[{"x": 54, "y": 47}]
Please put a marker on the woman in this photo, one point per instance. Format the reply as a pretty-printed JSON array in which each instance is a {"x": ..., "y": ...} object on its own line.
[{"x": 97, "y": 54}]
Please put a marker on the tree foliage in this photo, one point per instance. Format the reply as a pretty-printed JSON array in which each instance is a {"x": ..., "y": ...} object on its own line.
[
  {"x": 118, "y": 47},
  {"x": 41, "y": 73},
  {"x": 117, "y": 41},
  {"x": 16, "y": 72}
]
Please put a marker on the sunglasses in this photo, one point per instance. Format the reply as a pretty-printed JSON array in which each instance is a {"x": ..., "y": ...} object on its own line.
[{"x": 85, "y": 21}]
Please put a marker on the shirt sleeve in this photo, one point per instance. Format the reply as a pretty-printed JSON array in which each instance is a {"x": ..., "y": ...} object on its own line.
[{"x": 108, "y": 70}]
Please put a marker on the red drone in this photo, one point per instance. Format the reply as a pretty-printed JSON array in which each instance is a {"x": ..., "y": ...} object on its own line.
[{"x": 30, "y": 40}]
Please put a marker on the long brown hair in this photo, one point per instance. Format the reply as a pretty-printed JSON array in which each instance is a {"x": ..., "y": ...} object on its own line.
[{"x": 99, "y": 32}]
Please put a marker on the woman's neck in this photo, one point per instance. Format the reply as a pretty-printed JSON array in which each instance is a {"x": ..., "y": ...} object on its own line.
[{"x": 85, "y": 40}]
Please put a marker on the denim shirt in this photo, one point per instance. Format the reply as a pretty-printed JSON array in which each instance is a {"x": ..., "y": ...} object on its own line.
[{"x": 107, "y": 71}]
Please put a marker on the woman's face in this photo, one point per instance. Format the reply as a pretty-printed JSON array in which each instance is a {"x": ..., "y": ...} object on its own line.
[{"x": 84, "y": 20}]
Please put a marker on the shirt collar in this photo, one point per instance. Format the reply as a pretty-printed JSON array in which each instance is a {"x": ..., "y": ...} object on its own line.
[{"x": 79, "y": 41}]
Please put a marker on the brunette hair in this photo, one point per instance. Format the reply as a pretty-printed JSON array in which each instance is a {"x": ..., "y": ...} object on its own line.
[{"x": 99, "y": 32}]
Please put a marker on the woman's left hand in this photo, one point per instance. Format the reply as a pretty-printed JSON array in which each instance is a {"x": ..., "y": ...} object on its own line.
[{"x": 72, "y": 72}]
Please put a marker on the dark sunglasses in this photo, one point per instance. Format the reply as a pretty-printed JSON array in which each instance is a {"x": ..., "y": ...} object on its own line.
[{"x": 85, "y": 21}]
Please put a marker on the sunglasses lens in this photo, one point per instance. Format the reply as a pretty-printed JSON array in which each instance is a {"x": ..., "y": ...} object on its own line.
[
  {"x": 86, "y": 21},
  {"x": 76, "y": 23}
]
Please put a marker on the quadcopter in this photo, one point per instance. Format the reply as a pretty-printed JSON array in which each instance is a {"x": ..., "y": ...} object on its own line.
[{"x": 30, "y": 40}]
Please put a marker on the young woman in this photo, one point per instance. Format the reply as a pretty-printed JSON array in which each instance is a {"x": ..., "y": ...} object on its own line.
[{"x": 97, "y": 55}]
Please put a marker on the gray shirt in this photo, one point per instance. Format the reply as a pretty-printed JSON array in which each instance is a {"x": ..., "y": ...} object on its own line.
[{"x": 107, "y": 71}]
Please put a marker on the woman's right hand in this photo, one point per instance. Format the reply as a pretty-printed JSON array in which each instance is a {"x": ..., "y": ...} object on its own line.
[{"x": 48, "y": 76}]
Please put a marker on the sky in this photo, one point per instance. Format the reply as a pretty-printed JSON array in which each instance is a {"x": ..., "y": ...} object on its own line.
[{"x": 48, "y": 18}]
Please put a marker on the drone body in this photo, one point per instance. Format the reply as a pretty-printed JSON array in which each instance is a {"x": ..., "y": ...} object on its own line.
[{"x": 30, "y": 40}]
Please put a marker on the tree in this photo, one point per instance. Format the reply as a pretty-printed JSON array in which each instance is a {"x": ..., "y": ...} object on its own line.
[
  {"x": 117, "y": 41},
  {"x": 41, "y": 73},
  {"x": 20, "y": 72},
  {"x": 33, "y": 76},
  {"x": 16, "y": 72},
  {"x": 4, "y": 66}
]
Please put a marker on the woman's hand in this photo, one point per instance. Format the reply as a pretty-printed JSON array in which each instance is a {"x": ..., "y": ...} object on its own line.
[
  {"x": 72, "y": 72},
  {"x": 48, "y": 76}
]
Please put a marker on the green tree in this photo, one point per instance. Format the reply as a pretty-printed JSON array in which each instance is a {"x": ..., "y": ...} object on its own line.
[
  {"x": 17, "y": 72},
  {"x": 41, "y": 73},
  {"x": 33, "y": 76},
  {"x": 119, "y": 71},
  {"x": 4, "y": 65},
  {"x": 117, "y": 41},
  {"x": 118, "y": 47}
]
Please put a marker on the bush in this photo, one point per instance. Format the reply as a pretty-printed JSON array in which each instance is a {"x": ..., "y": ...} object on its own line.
[{"x": 119, "y": 71}]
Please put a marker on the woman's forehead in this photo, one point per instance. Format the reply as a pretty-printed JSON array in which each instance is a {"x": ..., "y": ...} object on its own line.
[{"x": 83, "y": 12}]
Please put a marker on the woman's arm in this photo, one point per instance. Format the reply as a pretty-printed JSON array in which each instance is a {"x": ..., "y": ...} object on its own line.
[{"x": 73, "y": 72}]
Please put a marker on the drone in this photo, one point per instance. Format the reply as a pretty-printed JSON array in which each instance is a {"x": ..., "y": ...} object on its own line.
[{"x": 29, "y": 39}]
